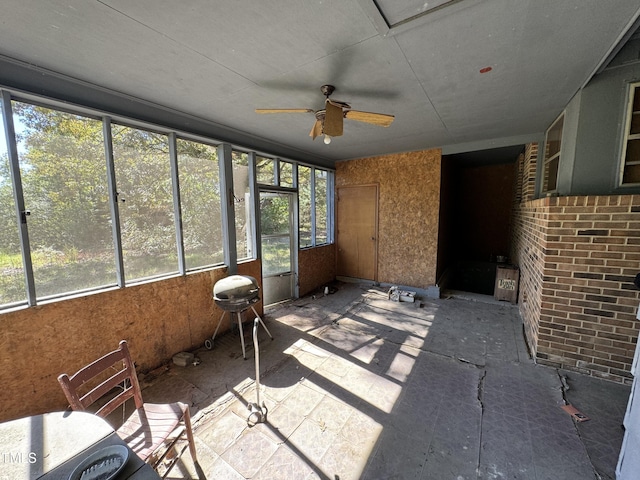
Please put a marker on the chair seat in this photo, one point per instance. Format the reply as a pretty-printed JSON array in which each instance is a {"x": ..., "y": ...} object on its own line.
[{"x": 148, "y": 427}]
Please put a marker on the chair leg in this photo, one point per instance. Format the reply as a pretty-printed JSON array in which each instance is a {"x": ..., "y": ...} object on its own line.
[{"x": 192, "y": 443}]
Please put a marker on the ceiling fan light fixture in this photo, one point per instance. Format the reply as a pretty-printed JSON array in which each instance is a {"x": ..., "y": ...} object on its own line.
[{"x": 327, "y": 139}]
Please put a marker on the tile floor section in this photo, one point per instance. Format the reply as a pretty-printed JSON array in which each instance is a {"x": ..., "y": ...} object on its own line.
[{"x": 360, "y": 387}]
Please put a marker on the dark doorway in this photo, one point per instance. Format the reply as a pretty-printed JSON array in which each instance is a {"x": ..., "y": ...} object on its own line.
[{"x": 477, "y": 194}]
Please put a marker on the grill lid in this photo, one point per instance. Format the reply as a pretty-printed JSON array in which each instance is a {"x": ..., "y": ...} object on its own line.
[{"x": 235, "y": 289}]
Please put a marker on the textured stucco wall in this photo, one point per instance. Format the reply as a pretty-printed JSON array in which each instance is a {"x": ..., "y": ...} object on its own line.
[{"x": 408, "y": 210}]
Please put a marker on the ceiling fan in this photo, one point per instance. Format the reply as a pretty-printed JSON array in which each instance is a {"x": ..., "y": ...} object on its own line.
[{"x": 329, "y": 120}]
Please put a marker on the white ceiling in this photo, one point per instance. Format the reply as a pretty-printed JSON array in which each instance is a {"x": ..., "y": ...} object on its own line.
[{"x": 220, "y": 59}]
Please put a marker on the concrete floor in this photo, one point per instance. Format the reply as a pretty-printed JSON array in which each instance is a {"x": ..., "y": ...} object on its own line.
[{"x": 357, "y": 386}]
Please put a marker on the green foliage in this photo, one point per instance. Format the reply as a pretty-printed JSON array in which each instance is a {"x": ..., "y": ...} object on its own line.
[{"x": 64, "y": 179}]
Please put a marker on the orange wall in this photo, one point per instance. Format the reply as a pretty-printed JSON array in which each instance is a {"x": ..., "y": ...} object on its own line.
[
  {"x": 408, "y": 209},
  {"x": 158, "y": 319}
]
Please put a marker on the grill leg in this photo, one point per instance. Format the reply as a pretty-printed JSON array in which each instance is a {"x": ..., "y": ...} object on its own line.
[
  {"x": 244, "y": 353},
  {"x": 218, "y": 326},
  {"x": 261, "y": 322},
  {"x": 209, "y": 343}
]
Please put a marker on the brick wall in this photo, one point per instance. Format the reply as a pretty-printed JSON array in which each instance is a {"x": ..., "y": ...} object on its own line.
[
  {"x": 589, "y": 302},
  {"x": 528, "y": 226},
  {"x": 526, "y": 244},
  {"x": 578, "y": 257},
  {"x": 529, "y": 172}
]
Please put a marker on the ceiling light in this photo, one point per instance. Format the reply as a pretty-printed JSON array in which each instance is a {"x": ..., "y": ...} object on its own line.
[{"x": 327, "y": 139}]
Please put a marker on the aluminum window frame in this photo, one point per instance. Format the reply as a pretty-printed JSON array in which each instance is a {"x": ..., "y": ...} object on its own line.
[
  {"x": 7, "y": 95},
  {"x": 548, "y": 159},
  {"x": 633, "y": 89}
]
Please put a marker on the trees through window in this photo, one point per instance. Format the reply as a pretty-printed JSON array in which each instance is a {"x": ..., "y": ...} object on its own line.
[
  {"x": 107, "y": 204},
  {"x": 313, "y": 206}
]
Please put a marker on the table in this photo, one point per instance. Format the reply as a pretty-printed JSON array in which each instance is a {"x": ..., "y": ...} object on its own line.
[{"x": 50, "y": 446}]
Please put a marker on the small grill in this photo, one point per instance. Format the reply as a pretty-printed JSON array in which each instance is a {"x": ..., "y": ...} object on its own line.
[{"x": 235, "y": 294}]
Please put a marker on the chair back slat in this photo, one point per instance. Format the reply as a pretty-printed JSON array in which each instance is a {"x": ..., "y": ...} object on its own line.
[
  {"x": 113, "y": 382},
  {"x": 119, "y": 361},
  {"x": 97, "y": 367},
  {"x": 110, "y": 381},
  {"x": 115, "y": 402}
]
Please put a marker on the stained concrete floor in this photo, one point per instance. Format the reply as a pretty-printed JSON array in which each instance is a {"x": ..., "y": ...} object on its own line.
[{"x": 357, "y": 386}]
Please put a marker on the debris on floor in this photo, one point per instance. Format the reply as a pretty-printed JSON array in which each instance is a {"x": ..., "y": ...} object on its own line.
[
  {"x": 183, "y": 359},
  {"x": 575, "y": 413},
  {"x": 398, "y": 295}
]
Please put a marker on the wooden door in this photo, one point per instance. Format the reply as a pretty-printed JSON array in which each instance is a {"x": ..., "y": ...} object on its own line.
[{"x": 357, "y": 232}]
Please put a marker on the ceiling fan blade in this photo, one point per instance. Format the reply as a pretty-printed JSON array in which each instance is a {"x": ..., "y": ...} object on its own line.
[
  {"x": 381, "y": 119},
  {"x": 316, "y": 130},
  {"x": 333, "y": 120},
  {"x": 284, "y": 110}
]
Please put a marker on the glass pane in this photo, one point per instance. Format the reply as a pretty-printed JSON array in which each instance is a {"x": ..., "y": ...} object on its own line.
[
  {"x": 12, "y": 280},
  {"x": 321, "y": 206},
  {"x": 64, "y": 180},
  {"x": 636, "y": 99},
  {"x": 633, "y": 151},
  {"x": 631, "y": 174},
  {"x": 304, "y": 206},
  {"x": 275, "y": 223},
  {"x": 143, "y": 177},
  {"x": 200, "y": 202},
  {"x": 635, "y": 123},
  {"x": 286, "y": 174},
  {"x": 554, "y": 137},
  {"x": 551, "y": 175},
  {"x": 276, "y": 255},
  {"x": 274, "y": 214},
  {"x": 242, "y": 205},
  {"x": 265, "y": 172}
]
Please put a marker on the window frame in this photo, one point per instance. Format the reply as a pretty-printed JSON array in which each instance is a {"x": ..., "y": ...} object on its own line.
[
  {"x": 547, "y": 160},
  {"x": 329, "y": 199},
  {"x": 7, "y": 95},
  {"x": 632, "y": 90}
]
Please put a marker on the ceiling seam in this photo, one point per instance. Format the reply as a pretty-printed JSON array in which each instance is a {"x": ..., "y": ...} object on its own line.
[
  {"x": 444, "y": 125},
  {"x": 175, "y": 41}
]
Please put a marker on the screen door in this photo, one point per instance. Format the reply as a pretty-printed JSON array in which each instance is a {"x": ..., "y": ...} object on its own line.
[{"x": 277, "y": 239}]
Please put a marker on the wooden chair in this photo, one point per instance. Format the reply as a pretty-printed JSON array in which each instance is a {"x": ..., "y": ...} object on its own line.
[{"x": 149, "y": 426}]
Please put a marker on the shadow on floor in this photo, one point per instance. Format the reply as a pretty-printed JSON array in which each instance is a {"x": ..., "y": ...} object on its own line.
[{"x": 357, "y": 386}]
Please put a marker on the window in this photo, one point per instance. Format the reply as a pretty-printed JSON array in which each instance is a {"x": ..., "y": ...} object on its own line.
[
  {"x": 242, "y": 205},
  {"x": 552, "y": 156},
  {"x": 265, "y": 170},
  {"x": 630, "y": 166},
  {"x": 143, "y": 178},
  {"x": 199, "y": 176},
  {"x": 313, "y": 206},
  {"x": 320, "y": 195},
  {"x": 304, "y": 207},
  {"x": 12, "y": 278},
  {"x": 64, "y": 181},
  {"x": 286, "y": 174},
  {"x": 267, "y": 174}
]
